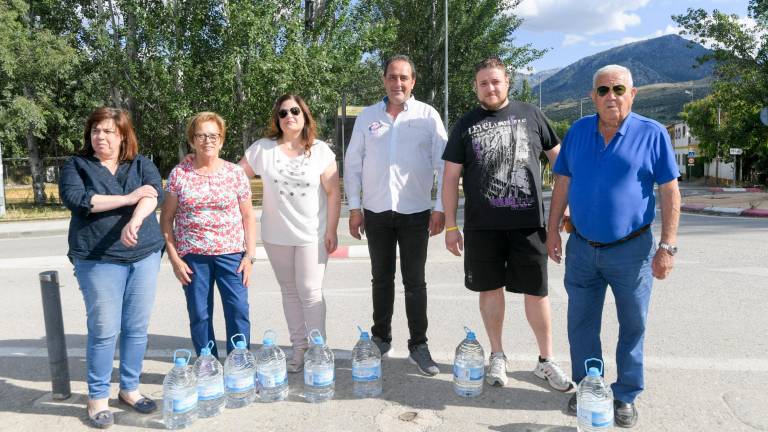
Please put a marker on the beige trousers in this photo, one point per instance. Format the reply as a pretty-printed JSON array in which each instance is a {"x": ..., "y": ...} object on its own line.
[{"x": 299, "y": 271}]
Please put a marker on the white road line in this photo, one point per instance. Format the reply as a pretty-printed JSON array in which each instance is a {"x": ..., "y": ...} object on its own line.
[{"x": 651, "y": 362}]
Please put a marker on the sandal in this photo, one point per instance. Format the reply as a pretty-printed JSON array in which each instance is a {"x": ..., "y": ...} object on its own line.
[
  {"x": 102, "y": 419},
  {"x": 144, "y": 405}
]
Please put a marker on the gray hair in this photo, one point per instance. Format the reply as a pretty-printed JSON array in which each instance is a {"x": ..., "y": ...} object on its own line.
[{"x": 612, "y": 68}]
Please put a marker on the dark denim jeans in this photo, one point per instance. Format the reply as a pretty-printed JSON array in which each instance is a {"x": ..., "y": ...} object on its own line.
[
  {"x": 385, "y": 231},
  {"x": 221, "y": 269},
  {"x": 627, "y": 269}
]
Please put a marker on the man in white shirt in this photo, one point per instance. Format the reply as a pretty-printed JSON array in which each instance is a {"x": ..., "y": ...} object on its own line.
[{"x": 394, "y": 154}]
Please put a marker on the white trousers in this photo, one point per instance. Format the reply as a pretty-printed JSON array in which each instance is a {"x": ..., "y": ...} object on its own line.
[{"x": 299, "y": 271}]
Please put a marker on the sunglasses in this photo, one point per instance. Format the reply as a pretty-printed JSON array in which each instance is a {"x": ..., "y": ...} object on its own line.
[
  {"x": 618, "y": 90},
  {"x": 295, "y": 111}
]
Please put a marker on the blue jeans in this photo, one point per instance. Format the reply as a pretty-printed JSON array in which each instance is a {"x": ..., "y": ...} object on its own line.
[
  {"x": 118, "y": 301},
  {"x": 221, "y": 269},
  {"x": 385, "y": 231},
  {"x": 627, "y": 269}
]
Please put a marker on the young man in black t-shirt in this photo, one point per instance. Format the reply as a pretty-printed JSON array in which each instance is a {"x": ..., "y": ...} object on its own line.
[{"x": 497, "y": 146}]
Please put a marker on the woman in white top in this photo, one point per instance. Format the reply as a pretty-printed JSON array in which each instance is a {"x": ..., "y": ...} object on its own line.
[{"x": 300, "y": 214}]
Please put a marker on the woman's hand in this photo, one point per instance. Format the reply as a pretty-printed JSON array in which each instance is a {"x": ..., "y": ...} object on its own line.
[
  {"x": 129, "y": 236},
  {"x": 145, "y": 191},
  {"x": 245, "y": 268},
  {"x": 182, "y": 271},
  {"x": 189, "y": 158},
  {"x": 331, "y": 242}
]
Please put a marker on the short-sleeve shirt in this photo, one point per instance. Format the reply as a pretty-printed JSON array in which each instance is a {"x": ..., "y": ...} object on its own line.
[
  {"x": 208, "y": 219},
  {"x": 295, "y": 206},
  {"x": 611, "y": 186},
  {"x": 500, "y": 153}
]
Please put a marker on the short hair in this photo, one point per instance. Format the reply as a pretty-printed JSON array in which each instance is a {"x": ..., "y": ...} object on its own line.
[
  {"x": 308, "y": 134},
  {"x": 400, "y": 57},
  {"x": 491, "y": 63},
  {"x": 202, "y": 117},
  {"x": 129, "y": 146},
  {"x": 612, "y": 68}
]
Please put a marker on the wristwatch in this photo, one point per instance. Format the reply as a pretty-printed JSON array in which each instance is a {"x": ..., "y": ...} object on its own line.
[
  {"x": 670, "y": 249},
  {"x": 253, "y": 260}
]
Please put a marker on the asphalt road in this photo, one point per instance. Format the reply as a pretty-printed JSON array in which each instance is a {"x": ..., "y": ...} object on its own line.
[{"x": 706, "y": 345}]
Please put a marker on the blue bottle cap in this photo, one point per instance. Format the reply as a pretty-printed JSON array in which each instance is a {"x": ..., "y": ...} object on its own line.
[
  {"x": 205, "y": 351},
  {"x": 471, "y": 336},
  {"x": 268, "y": 342},
  {"x": 365, "y": 336},
  {"x": 180, "y": 362},
  {"x": 240, "y": 344},
  {"x": 593, "y": 372},
  {"x": 318, "y": 340}
]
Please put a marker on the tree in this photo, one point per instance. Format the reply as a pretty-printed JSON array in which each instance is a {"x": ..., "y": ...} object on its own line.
[{"x": 740, "y": 89}]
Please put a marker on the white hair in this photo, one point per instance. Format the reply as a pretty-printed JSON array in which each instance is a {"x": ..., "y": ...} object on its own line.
[{"x": 613, "y": 68}]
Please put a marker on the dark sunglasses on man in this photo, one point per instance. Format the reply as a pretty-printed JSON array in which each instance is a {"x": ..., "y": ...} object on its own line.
[
  {"x": 618, "y": 90},
  {"x": 295, "y": 111}
]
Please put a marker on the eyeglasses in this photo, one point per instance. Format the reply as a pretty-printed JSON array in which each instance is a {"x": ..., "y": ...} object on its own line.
[
  {"x": 107, "y": 132},
  {"x": 208, "y": 137},
  {"x": 618, "y": 90},
  {"x": 295, "y": 111}
]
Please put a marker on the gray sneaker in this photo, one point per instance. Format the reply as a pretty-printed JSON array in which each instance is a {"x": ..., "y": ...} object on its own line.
[
  {"x": 383, "y": 346},
  {"x": 420, "y": 357}
]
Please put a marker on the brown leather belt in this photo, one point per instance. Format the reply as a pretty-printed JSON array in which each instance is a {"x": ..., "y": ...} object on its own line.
[{"x": 617, "y": 242}]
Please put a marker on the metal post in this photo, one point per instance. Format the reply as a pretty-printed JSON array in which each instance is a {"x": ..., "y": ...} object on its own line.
[
  {"x": 54, "y": 334},
  {"x": 343, "y": 130},
  {"x": 445, "y": 93},
  {"x": 2, "y": 183}
]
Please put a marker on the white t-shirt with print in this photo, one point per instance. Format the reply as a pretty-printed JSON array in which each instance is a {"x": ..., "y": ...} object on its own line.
[{"x": 295, "y": 206}]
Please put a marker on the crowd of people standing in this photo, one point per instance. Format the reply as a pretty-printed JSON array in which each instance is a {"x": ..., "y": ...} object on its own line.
[{"x": 606, "y": 168}]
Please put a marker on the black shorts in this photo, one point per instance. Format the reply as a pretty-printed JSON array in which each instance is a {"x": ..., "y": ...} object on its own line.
[{"x": 515, "y": 259}]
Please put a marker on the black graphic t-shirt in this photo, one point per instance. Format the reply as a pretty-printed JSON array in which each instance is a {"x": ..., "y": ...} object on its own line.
[{"x": 500, "y": 152}]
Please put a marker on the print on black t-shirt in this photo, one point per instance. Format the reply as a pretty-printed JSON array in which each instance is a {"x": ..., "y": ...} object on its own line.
[{"x": 500, "y": 153}]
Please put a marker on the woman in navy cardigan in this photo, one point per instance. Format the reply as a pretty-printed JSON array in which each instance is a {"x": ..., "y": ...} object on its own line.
[{"x": 115, "y": 245}]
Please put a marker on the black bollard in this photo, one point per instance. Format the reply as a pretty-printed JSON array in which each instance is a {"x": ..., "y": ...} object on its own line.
[{"x": 54, "y": 334}]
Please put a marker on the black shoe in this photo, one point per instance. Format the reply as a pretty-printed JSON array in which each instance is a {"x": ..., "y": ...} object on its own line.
[
  {"x": 572, "y": 405},
  {"x": 624, "y": 414},
  {"x": 144, "y": 405},
  {"x": 383, "y": 345}
]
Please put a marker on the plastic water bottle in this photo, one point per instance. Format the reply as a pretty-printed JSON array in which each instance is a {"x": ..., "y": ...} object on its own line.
[
  {"x": 366, "y": 367},
  {"x": 179, "y": 393},
  {"x": 594, "y": 400},
  {"x": 271, "y": 369},
  {"x": 469, "y": 367},
  {"x": 239, "y": 372},
  {"x": 319, "y": 374},
  {"x": 210, "y": 383}
]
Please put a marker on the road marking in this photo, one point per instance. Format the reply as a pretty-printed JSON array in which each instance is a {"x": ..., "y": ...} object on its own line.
[
  {"x": 751, "y": 271},
  {"x": 651, "y": 362}
]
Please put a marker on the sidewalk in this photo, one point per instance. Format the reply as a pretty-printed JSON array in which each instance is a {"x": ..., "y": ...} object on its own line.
[{"x": 747, "y": 202}]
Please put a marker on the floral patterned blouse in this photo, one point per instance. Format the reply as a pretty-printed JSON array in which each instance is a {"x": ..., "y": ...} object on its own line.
[{"x": 208, "y": 220}]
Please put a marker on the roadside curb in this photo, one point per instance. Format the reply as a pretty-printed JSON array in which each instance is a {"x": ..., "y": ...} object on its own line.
[
  {"x": 724, "y": 211},
  {"x": 729, "y": 190}
]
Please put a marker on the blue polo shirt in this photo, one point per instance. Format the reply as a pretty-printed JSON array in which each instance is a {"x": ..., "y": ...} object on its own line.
[{"x": 611, "y": 189}]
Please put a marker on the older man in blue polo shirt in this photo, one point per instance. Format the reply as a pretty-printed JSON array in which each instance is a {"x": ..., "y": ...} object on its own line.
[{"x": 606, "y": 172}]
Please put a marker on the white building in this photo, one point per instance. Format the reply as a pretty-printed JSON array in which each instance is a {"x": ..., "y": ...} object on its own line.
[{"x": 684, "y": 142}]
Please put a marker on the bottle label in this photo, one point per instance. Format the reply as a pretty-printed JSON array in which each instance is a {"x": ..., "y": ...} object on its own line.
[
  {"x": 362, "y": 373},
  {"x": 272, "y": 378},
  {"x": 239, "y": 383},
  {"x": 468, "y": 374},
  {"x": 184, "y": 404},
  {"x": 595, "y": 419},
  {"x": 319, "y": 376},
  {"x": 209, "y": 391}
]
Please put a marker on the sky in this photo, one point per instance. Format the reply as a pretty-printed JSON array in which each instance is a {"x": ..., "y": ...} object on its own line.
[{"x": 573, "y": 29}]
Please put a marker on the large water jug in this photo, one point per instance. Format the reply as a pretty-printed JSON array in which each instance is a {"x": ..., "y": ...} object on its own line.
[
  {"x": 179, "y": 393},
  {"x": 210, "y": 383},
  {"x": 239, "y": 373},
  {"x": 469, "y": 366},
  {"x": 594, "y": 400},
  {"x": 271, "y": 369},
  {"x": 366, "y": 367},
  {"x": 319, "y": 374}
]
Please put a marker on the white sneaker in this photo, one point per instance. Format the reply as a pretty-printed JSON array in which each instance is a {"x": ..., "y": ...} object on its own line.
[
  {"x": 553, "y": 373},
  {"x": 497, "y": 370}
]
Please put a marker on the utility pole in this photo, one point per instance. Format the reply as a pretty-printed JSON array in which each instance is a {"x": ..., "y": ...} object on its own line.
[
  {"x": 539, "y": 92},
  {"x": 445, "y": 92},
  {"x": 717, "y": 150},
  {"x": 2, "y": 183}
]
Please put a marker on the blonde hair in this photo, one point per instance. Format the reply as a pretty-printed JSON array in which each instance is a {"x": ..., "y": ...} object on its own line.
[{"x": 201, "y": 118}]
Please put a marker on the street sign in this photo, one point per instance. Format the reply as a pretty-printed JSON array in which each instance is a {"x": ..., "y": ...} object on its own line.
[
  {"x": 691, "y": 161},
  {"x": 691, "y": 154},
  {"x": 735, "y": 151},
  {"x": 764, "y": 116}
]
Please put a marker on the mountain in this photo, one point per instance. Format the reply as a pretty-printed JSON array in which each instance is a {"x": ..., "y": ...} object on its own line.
[
  {"x": 666, "y": 59},
  {"x": 534, "y": 78}
]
